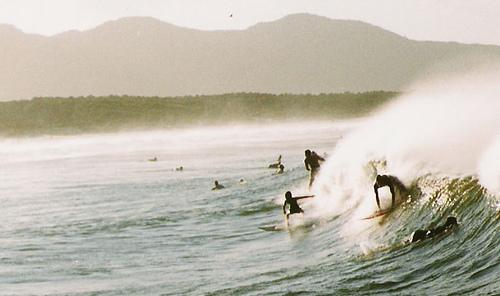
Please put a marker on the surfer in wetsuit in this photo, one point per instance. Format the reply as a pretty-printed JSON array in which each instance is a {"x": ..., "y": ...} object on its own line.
[
  {"x": 422, "y": 234},
  {"x": 276, "y": 164},
  {"x": 312, "y": 164},
  {"x": 217, "y": 186},
  {"x": 292, "y": 202},
  {"x": 386, "y": 180},
  {"x": 280, "y": 170}
]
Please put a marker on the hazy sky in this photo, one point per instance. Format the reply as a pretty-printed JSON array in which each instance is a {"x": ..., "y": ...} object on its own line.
[{"x": 471, "y": 21}]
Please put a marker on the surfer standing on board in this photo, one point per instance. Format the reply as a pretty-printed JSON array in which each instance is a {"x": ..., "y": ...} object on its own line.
[
  {"x": 312, "y": 164},
  {"x": 386, "y": 180},
  {"x": 294, "y": 206}
]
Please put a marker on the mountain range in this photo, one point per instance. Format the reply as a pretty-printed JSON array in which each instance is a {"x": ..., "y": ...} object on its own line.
[{"x": 299, "y": 53}]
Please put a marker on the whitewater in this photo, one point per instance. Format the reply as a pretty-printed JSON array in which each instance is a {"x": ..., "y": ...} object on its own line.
[{"x": 91, "y": 215}]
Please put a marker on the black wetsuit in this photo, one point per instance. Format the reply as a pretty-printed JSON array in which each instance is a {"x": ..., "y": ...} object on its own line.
[
  {"x": 422, "y": 234},
  {"x": 217, "y": 187},
  {"x": 385, "y": 180},
  {"x": 312, "y": 164},
  {"x": 294, "y": 206}
]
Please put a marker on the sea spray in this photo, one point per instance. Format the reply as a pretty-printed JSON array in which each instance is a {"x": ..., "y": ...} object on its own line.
[
  {"x": 489, "y": 168},
  {"x": 451, "y": 129}
]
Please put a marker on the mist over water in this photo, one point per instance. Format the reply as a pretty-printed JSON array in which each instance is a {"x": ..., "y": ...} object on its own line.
[
  {"x": 452, "y": 129},
  {"x": 156, "y": 142}
]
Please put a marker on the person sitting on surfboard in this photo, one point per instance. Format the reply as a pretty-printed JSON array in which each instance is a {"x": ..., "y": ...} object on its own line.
[
  {"x": 385, "y": 180},
  {"x": 281, "y": 170},
  {"x": 276, "y": 164},
  {"x": 294, "y": 206},
  {"x": 422, "y": 234},
  {"x": 312, "y": 164},
  {"x": 217, "y": 186}
]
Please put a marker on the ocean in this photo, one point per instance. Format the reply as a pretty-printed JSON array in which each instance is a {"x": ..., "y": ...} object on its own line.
[{"x": 92, "y": 215}]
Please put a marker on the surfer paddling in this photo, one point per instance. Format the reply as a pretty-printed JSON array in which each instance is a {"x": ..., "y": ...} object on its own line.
[
  {"x": 292, "y": 202},
  {"x": 392, "y": 182},
  {"x": 312, "y": 164},
  {"x": 423, "y": 234}
]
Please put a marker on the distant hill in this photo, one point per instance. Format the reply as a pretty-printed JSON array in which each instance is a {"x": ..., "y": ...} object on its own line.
[{"x": 297, "y": 54}]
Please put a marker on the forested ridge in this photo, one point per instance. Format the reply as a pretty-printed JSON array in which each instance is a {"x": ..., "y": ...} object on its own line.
[{"x": 47, "y": 115}]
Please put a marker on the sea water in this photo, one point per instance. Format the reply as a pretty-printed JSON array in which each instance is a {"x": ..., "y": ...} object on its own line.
[{"x": 91, "y": 215}]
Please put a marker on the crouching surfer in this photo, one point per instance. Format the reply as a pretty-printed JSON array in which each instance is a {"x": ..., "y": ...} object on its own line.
[
  {"x": 423, "y": 234},
  {"x": 292, "y": 202},
  {"x": 392, "y": 182}
]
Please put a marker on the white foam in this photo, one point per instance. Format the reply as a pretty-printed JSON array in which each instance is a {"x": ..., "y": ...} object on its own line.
[{"x": 452, "y": 128}]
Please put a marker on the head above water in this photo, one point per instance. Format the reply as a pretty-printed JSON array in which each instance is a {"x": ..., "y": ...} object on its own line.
[
  {"x": 288, "y": 195},
  {"x": 282, "y": 166},
  {"x": 307, "y": 152},
  {"x": 451, "y": 221},
  {"x": 216, "y": 182}
]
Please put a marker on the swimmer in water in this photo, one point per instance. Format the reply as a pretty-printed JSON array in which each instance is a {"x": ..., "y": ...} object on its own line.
[
  {"x": 217, "y": 186},
  {"x": 422, "y": 234}
]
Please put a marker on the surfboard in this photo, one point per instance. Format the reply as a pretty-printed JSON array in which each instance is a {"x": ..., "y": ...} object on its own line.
[
  {"x": 377, "y": 214},
  {"x": 278, "y": 227},
  {"x": 294, "y": 221}
]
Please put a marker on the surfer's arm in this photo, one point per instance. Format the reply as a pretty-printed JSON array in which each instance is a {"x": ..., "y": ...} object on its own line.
[
  {"x": 375, "y": 188},
  {"x": 319, "y": 158},
  {"x": 284, "y": 205},
  {"x": 302, "y": 197},
  {"x": 393, "y": 194}
]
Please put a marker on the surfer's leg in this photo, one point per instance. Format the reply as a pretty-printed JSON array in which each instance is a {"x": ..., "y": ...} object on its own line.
[
  {"x": 312, "y": 175},
  {"x": 393, "y": 196}
]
